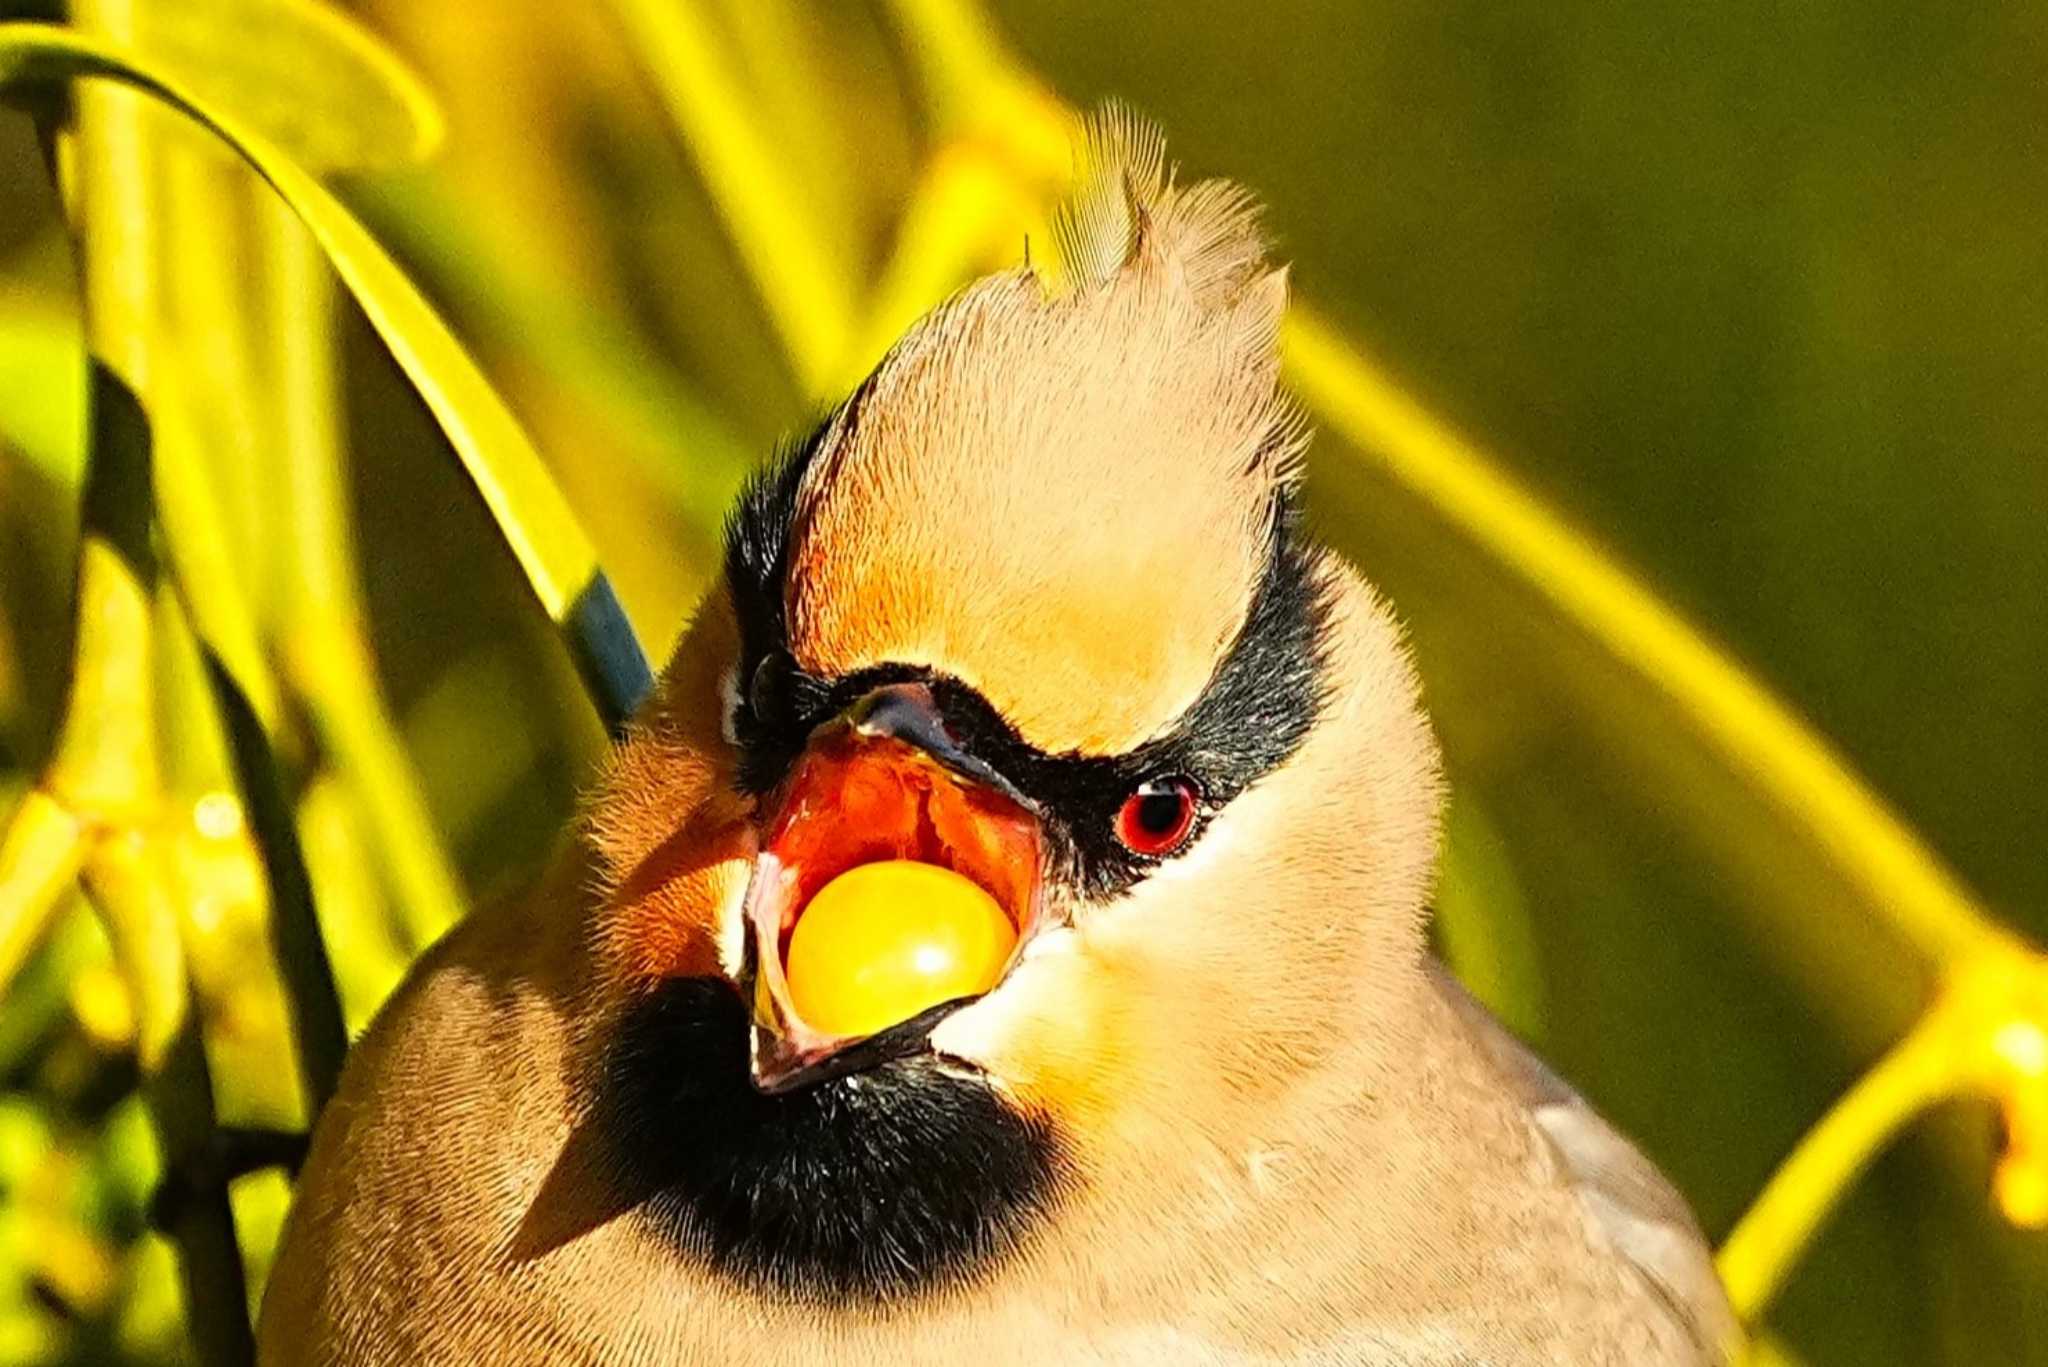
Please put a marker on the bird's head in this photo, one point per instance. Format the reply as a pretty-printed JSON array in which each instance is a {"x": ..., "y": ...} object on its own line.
[{"x": 1106, "y": 791}]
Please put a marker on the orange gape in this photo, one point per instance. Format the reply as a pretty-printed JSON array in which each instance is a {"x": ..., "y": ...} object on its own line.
[
  {"x": 862, "y": 798},
  {"x": 859, "y": 801}
]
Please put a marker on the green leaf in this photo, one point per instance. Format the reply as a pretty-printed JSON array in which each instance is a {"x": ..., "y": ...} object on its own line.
[
  {"x": 798, "y": 271},
  {"x": 531, "y": 513},
  {"x": 1483, "y": 927}
]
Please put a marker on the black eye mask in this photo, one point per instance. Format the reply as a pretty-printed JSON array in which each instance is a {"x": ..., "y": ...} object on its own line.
[{"x": 1249, "y": 718}]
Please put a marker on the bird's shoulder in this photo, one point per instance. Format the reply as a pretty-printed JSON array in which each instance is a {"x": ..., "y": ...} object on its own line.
[
  {"x": 448, "y": 1113},
  {"x": 1628, "y": 1203}
]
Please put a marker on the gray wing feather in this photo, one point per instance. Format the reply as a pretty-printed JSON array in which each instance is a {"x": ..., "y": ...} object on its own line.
[{"x": 1634, "y": 1204}]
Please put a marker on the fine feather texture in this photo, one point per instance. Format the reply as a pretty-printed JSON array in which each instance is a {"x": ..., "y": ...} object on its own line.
[
  {"x": 1119, "y": 178},
  {"x": 860, "y": 1189},
  {"x": 1222, "y": 1111},
  {"x": 1624, "y": 1195},
  {"x": 1115, "y": 433},
  {"x": 1125, "y": 211}
]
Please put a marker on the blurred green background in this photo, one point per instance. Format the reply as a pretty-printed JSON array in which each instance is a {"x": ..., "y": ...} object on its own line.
[{"x": 1757, "y": 296}]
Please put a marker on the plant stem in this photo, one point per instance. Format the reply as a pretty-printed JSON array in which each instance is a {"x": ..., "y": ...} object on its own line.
[
  {"x": 197, "y": 1217},
  {"x": 1903, "y": 884},
  {"x": 318, "y": 626},
  {"x": 957, "y": 52},
  {"x": 800, "y": 279},
  {"x": 1761, "y": 1252},
  {"x": 328, "y": 665},
  {"x": 318, "y": 1032},
  {"x": 536, "y": 522},
  {"x": 1985, "y": 1034},
  {"x": 966, "y": 201},
  {"x": 105, "y": 761}
]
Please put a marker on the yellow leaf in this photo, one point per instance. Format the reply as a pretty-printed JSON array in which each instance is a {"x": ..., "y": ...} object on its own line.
[
  {"x": 42, "y": 373},
  {"x": 535, "y": 520},
  {"x": 301, "y": 73}
]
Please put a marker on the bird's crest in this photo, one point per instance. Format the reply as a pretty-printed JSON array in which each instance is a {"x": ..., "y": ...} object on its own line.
[
  {"x": 1125, "y": 209},
  {"x": 1066, "y": 477}
]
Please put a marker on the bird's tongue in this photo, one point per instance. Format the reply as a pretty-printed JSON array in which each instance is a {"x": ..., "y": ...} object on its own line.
[{"x": 891, "y": 887}]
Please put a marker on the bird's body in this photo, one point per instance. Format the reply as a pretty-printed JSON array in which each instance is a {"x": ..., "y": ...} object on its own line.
[
  {"x": 1039, "y": 591},
  {"x": 1299, "y": 1245}
]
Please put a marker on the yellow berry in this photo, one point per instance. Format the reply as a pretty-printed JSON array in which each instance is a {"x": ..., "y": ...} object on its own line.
[
  {"x": 881, "y": 942},
  {"x": 2022, "y": 1193}
]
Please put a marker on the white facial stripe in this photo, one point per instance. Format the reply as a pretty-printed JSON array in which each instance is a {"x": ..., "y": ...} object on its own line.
[{"x": 729, "y": 928}]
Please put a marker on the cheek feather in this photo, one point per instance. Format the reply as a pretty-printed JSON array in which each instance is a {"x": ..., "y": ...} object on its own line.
[
  {"x": 672, "y": 837},
  {"x": 676, "y": 914}
]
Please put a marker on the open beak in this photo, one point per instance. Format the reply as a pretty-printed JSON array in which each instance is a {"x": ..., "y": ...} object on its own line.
[{"x": 883, "y": 781}]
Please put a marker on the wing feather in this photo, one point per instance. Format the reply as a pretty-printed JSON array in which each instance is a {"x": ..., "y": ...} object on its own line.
[{"x": 1627, "y": 1198}]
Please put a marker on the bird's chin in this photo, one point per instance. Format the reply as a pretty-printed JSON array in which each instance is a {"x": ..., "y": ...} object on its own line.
[
  {"x": 779, "y": 1064},
  {"x": 855, "y": 799},
  {"x": 865, "y": 1186}
]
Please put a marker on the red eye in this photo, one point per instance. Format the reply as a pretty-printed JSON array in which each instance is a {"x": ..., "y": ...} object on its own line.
[{"x": 1156, "y": 818}]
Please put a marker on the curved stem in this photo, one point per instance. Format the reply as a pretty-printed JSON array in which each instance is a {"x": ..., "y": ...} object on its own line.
[
  {"x": 1902, "y": 882},
  {"x": 319, "y": 621},
  {"x": 318, "y": 1033},
  {"x": 965, "y": 201},
  {"x": 956, "y": 50},
  {"x": 800, "y": 280},
  {"x": 537, "y": 523},
  {"x": 1766, "y": 1244}
]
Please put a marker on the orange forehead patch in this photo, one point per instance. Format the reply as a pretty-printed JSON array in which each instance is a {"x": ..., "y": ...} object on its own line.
[{"x": 1062, "y": 500}]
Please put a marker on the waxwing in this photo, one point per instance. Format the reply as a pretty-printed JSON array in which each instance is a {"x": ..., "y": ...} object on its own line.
[{"x": 1001, "y": 937}]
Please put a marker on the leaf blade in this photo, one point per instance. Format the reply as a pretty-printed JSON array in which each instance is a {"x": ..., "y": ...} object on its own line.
[
  {"x": 531, "y": 513},
  {"x": 305, "y": 75}
]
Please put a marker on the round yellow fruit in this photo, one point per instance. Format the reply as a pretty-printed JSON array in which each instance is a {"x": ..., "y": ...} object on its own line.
[{"x": 881, "y": 942}]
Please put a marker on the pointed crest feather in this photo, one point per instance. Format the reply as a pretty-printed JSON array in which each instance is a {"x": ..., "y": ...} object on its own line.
[
  {"x": 1000, "y": 500},
  {"x": 1125, "y": 208}
]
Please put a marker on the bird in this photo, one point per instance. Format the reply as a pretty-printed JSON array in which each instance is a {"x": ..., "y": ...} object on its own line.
[{"x": 1002, "y": 935}]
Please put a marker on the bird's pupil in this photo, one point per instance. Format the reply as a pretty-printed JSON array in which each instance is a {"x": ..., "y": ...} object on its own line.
[{"x": 1159, "y": 812}]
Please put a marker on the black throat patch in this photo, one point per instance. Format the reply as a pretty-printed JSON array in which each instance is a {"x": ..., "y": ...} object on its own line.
[{"x": 869, "y": 1188}]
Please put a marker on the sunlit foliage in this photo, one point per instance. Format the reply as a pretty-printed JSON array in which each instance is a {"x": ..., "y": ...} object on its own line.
[{"x": 535, "y": 310}]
